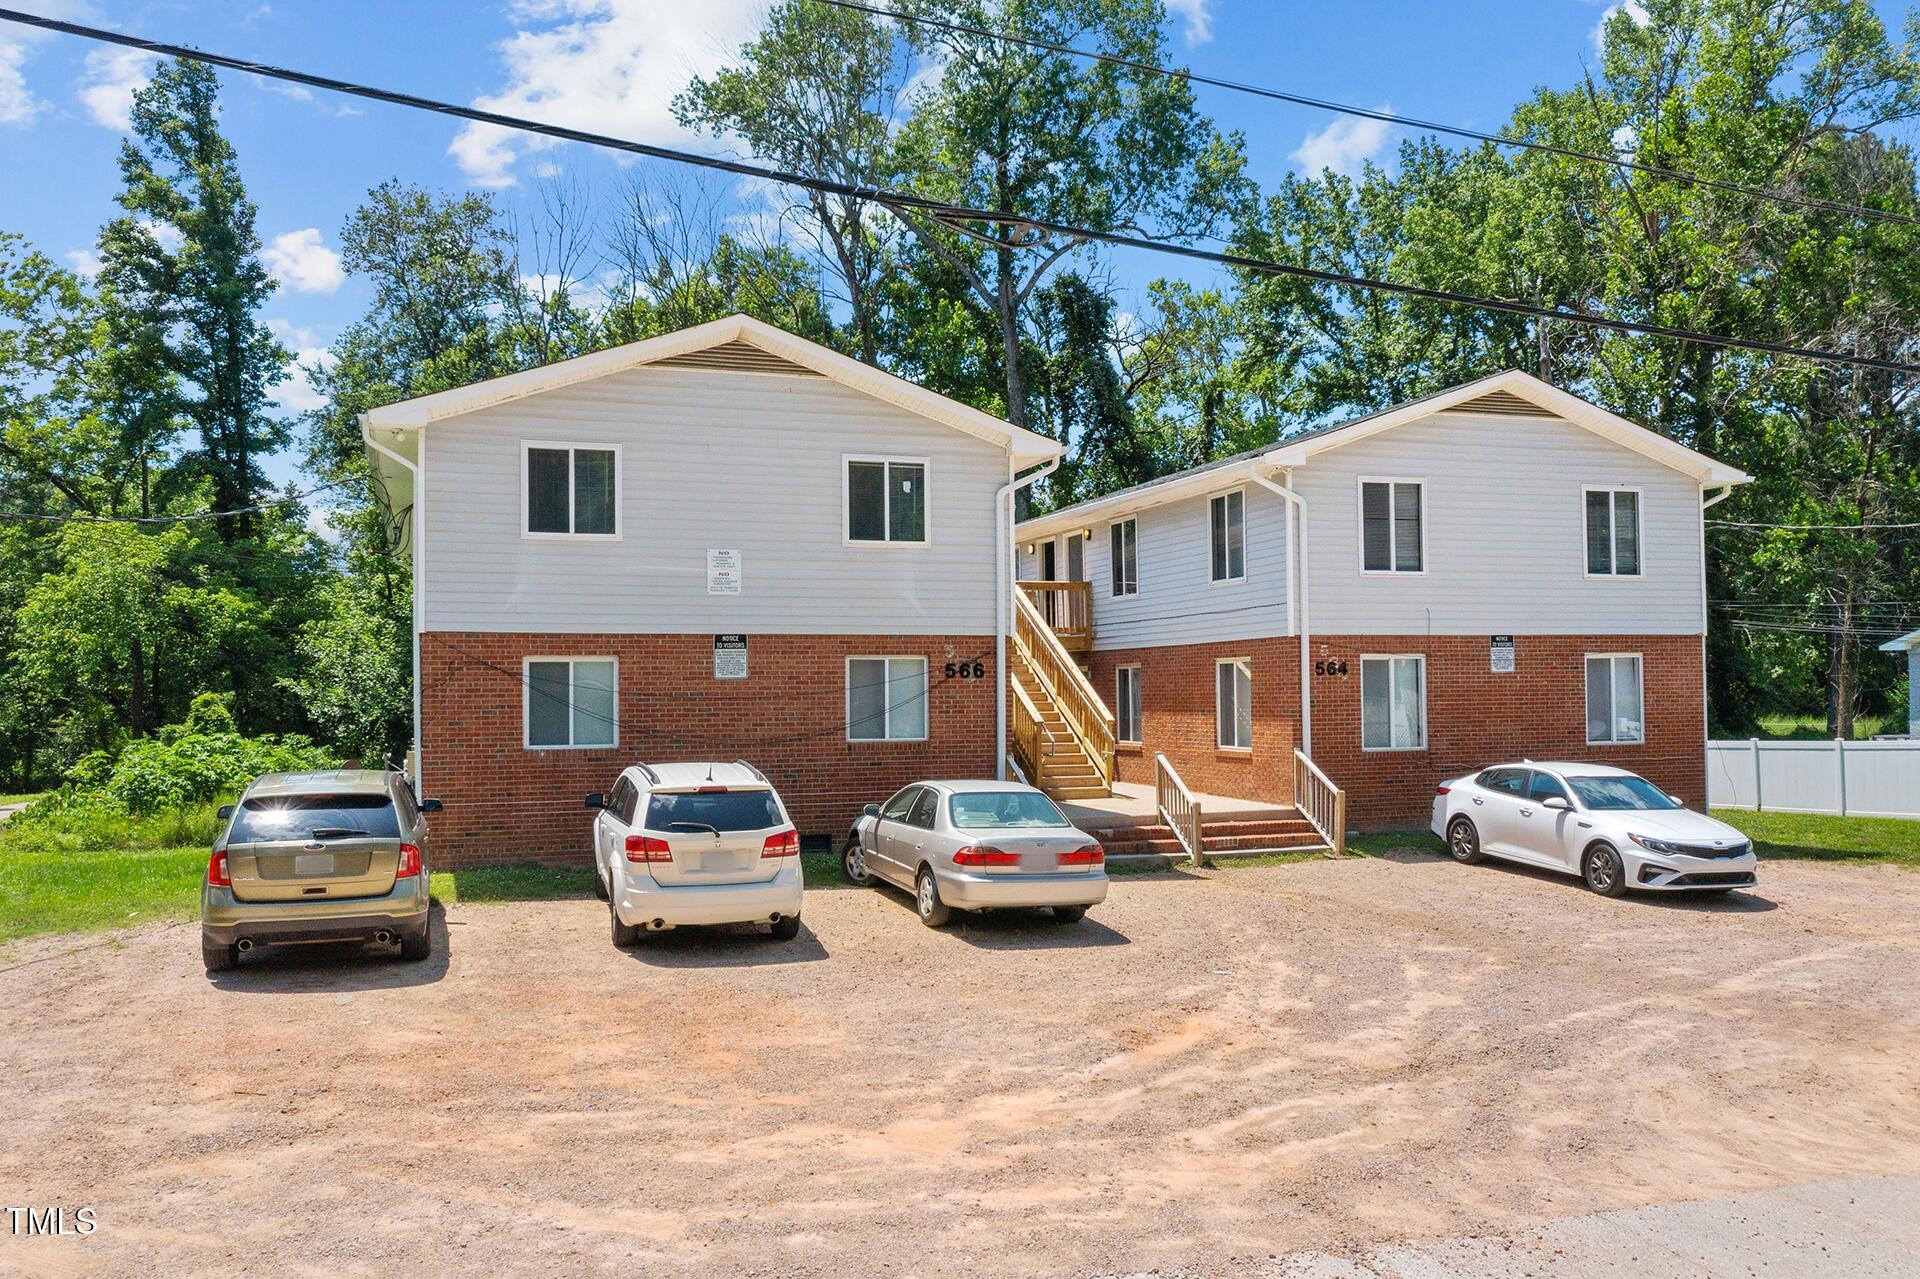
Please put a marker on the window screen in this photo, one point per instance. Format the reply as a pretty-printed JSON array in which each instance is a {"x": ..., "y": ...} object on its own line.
[
  {"x": 886, "y": 501},
  {"x": 571, "y": 702},
  {"x": 1390, "y": 526},
  {"x": 886, "y": 699},
  {"x": 1233, "y": 696}
]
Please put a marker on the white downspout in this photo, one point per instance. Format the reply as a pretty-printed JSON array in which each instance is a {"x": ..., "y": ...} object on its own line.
[
  {"x": 1003, "y": 544},
  {"x": 1298, "y": 503},
  {"x": 413, "y": 516},
  {"x": 1706, "y": 702}
]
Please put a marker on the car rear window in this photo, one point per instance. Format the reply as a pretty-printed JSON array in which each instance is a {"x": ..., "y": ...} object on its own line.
[
  {"x": 979, "y": 810},
  {"x": 721, "y": 810},
  {"x": 276, "y": 817}
]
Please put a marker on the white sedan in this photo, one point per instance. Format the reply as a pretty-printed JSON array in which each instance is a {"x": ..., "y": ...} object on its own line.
[{"x": 1614, "y": 829}]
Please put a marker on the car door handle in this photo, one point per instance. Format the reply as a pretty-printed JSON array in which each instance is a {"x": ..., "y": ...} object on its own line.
[
  {"x": 1478, "y": 800},
  {"x": 1526, "y": 812}
]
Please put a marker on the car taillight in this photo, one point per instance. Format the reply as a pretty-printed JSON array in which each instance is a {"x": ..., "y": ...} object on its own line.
[
  {"x": 409, "y": 862},
  {"x": 711, "y": 790},
  {"x": 1091, "y": 855},
  {"x": 1442, "y": 789},
  {"x": 785, "y": 844},
  {"x": 217, "y": 870},
  {"x": 984, "y": 855},
  {"x": 645, "y": 848}
]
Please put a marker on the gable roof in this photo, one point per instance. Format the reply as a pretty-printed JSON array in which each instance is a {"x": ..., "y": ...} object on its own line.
[
  {"x": 1508, "y": 394},
  {"x": 737, "y": 343}
]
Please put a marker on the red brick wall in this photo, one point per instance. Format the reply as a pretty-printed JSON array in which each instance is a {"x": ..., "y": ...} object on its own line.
[
  {"x": 505, "y": 803},
  {"x": 1474, "y": 717}
]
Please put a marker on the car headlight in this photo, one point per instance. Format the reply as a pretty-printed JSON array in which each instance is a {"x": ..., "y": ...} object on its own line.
[{"x": 1658, "y": 845}]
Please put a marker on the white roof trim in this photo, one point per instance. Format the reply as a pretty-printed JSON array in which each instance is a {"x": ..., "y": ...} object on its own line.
[
  {"x": 1026, "y": 446},
  {"x": 1902, "y": 645}
]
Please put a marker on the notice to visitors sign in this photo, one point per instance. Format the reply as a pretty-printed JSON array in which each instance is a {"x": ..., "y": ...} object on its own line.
[
  {"x": 729, "y": 657},
  {"x": 1501, "y": 653}
]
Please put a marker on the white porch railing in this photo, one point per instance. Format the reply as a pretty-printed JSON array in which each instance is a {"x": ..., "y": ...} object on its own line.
[
  {"x": 1178, "y": 807},
  {"x": 1323, "y": 804}
]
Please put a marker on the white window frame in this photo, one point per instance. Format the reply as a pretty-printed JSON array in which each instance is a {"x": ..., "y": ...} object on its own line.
[
  {"x": 886, "y": 513},
  {"x": 1613, "y": 539},
  {"x": 526, "y": 701},
  {"x": 846, "y": 701},
  {"x": 1218, "y": 723},
  {"x": 1391, "y": 687},
  {"x": 1221, "y": 497},
  {"x": 571, "y": 447},
  {"x": 1393, "y": 525},
  {"x": 1640, "y": 676},
  {"x": 1113, "y": 564},
  {"x": 1139, "y": 720}
]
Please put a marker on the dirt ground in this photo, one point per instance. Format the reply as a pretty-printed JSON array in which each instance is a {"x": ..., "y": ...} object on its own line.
[{"x": 1211, "y": 1070}]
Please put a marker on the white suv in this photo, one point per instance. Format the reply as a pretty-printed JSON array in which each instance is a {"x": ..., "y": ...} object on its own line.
[{"x": 678, "y": 844}]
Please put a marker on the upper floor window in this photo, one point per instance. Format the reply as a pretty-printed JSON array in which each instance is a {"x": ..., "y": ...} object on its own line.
[
  {"x": 571, "y": 490},
  {"x": 1393, "y": 703},
  {"x": 1613, "y": 532},
  {"x": 1126, "y": 704},
  {"x": 887, "y": 500},
  {"x": 1392, "y": 532},
  {"x": 1614, "y": 706},
  {"x": 572, "y": 702},
  {"x": 1229, "y": 522},
  {"x": 1126, "y": 563}
]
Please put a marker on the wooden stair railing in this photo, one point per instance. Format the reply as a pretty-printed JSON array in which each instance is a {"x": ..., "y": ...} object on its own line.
[
  {"x": 1029, "y": 735},
  {"x": 1067, "y": 608},
  {"x": 1323, "y": 804},
  {"x": 1042, "y": 655},
  {"x": 1178, "y": 807}
]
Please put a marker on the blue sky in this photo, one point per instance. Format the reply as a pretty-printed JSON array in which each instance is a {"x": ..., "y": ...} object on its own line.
[{"x": 613, "y": 66}]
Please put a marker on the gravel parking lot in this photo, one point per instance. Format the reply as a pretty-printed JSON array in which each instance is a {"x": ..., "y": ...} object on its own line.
[{"x": 1213, "y": 1069}]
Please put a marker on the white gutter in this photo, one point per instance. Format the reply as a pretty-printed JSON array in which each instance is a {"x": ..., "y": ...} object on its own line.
[
  {"x": 1003, "y": 544},
  {"x": 1305, "y": 629},
  {"x": 413, "y": 475}
]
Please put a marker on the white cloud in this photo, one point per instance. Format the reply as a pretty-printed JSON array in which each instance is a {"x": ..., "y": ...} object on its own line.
[
  {"x": 601, "y": 66},
  {"x": 301, "y": 262},
  {"x": 107, "y": 85},
  {"x": 296, "y": 394},
  {"x": 1635, "y": 9},
  {"x": 1198, "y": 18},
  {"x": 164, "y": 233},
  {"x": 1343, "y": 146},
  {"x": 85, "y": 262},
  {"x": 17, "y": 103}
]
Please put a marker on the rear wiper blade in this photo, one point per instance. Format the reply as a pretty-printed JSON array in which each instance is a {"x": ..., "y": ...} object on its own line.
[
  {"x": 335, "y": 832},
  {"x": 693, "y": 826}
]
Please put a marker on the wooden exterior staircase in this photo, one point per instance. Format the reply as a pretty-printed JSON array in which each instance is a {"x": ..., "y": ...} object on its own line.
[{"x": 1062, "y": 732}]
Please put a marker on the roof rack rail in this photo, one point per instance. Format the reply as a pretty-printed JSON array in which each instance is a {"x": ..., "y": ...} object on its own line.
[
  {"x": 650, "y": 774},
  {"x": 751, "y": 769}
]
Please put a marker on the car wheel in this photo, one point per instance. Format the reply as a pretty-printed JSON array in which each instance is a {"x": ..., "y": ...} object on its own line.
[
  {"x": 853, "y": 862},
  {"x": 1603, "y": 871},
  {"x": 1463, "y": 842},
  {"x": 419, "y": 946},
  {"x": 600, "y": 888},
  {"x": 786, "y": 928},
  {"x": 625, "y": 936},
  {"x": 1069, "y": 914},
  {"x": 219, "y": 958},
  {"x": 926, "y": 899}
]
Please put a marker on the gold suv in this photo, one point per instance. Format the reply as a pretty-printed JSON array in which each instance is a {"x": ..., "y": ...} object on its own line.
[{"x": 319, "y": 857}]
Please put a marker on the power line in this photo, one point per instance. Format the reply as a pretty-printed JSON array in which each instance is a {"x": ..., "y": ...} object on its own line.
[
  {"x": 1388, "y": 117},
  {"x": 1809, "y": 527},
  {"x": 1029, "y": 230},
  {"x": 256, "y": 509}
]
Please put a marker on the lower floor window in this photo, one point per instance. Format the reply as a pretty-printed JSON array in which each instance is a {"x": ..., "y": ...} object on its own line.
[
  {"x": 1393, "y": 703},
  {"x": 1614, "y": 712},
  {"x": 886, "y": 699},
  {"x": 1126, "y": 703},
  {"x": 1233, "y": 703},
  {"x": 572, "y": 701}
]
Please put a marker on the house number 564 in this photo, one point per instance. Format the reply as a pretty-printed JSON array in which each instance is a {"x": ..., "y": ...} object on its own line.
[{"x": 1330, "y": 666}]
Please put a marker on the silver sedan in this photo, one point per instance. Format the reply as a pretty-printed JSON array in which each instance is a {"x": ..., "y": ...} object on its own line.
[{"x": 977, "y": 846}]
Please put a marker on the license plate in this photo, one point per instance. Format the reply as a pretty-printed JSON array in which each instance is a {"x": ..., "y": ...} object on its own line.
[{"x": 305, "y": 864}]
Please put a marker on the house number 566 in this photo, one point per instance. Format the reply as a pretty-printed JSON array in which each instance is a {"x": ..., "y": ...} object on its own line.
[{"x": 967, "y": 670}]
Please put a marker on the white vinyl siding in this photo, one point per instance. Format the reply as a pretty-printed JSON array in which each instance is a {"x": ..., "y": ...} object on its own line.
[
  {"x": 1126, "y": 704},
  {"x": 1233, "y": 703},
  {"x": 1615, "y": 707},
  {"x": 710, "y": 459},
  {"x": 886, "y": 699},
  {"x": 1613, "y": 532},
  {"x": 1123, "y": 554},
  {"x": 569, "y": 490},
  {"x": 1227, "y": 522},
  {"x": 1392, "y": 526},
  {"x": 571, "y": 702},
  {"x": 1393, "y": 703}
]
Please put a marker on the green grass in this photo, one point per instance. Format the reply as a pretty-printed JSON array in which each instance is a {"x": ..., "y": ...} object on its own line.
[
  {"x": 527, "y": 882},
  {"x": 59, "y": 891},
  {"x": 20, "y": 797},
  {"x": 1382, "y": 843},
  {"x": 1819, "y": 837},
  {"x": 1806, "y": 728}
]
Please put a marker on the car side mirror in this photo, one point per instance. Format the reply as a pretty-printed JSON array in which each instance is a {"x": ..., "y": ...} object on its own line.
[
  {"x": 871, "y": 810},
  {"x": 1677, "y": 801},
  {"x": 597, "y": 800},
  {"x": 1557, "y": 801},
  {"x": 431, "y": 806},
  {"x": 224, "y": 811}
]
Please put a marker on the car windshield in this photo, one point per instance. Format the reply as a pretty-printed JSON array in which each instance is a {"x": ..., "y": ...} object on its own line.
[
  {"x": 1627, "y": 792},
  {"x": 978, "y": 810},
  {"x": 275, "y": 817},
  {"x": 717, "y": 811}
]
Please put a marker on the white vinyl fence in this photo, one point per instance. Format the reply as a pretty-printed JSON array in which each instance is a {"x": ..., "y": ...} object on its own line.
[{"x": 1862, "y": 779}]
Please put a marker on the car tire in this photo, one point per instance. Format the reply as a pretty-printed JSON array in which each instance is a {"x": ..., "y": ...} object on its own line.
[
  {"x": 625, "y": 936},
  {"x": 1069, "y": 914},
  {"x": 1463, "y": 842},
  {"x": 853, "y": 863},
  {"x": 933, "y": 912},
  {"x": 218, "y": 958},
  {"x": 600, "y": 888},
  {"x": 786, "y": 928},
  {"x": 1603, "y": 871},
  {"x": 418, "y": 946}
]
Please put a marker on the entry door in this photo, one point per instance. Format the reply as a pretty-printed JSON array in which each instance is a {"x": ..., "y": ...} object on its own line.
[
  {"x": 1049, "y": 561},
  {"x": 1076, "y": 558}
]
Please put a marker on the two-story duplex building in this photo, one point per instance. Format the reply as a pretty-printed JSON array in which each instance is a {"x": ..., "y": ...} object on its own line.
[
  {"x": 723, "y": 542},
  {"x": 1500, "y": 570}
]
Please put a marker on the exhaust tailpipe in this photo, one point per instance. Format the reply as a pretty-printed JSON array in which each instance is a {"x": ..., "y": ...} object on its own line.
[
  {"x": 657, "y": 925},
  {"x": 384, "y": 937},
  {"x": 244, "y": 945}
]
